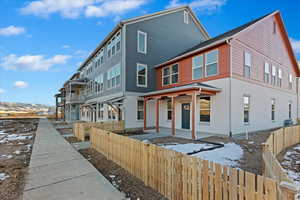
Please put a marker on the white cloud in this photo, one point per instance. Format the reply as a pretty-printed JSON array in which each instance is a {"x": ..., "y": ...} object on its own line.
[
  {"x": 2, "y": 91},
  {"x": 32, "y": 62},
  {"x": 295, "y": 45},
  {"x": 201, "y": 5},
  {"x": 20, "y": 84},
  {"x": 12, "y": 30},
  {"x": 76, "y": 8},
  {"x": 66, "y": 46}
]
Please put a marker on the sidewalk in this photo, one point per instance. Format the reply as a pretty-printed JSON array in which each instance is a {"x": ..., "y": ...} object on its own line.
[{"x": 57, "y": 171}]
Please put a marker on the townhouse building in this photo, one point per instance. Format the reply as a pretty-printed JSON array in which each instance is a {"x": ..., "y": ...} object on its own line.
[{"x": 169, "y": 73}]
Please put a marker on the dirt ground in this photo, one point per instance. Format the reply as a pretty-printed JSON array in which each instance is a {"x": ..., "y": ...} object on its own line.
[
  {"x": 133, "y": 187},
  {"x": 15, "y": 150},
  {"x": 64, "y": 131},
  {"x": 72, "y": 139}
]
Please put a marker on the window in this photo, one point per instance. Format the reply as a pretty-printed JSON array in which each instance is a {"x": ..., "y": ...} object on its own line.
[
  {"x": 290, "y": 81},
  {"x": 140, "y": 109},
  {"x": 290, "y": 110},
  {"x": 197, "y": 67},
  {"x": 100, "y": 111},
  {"x": 170, "y": 74},
  {"x": 169, "y": 109},
  {"x": 99, "y": 83},
  {"x": 186, "y": 17},
  {"x": 267, "y": 72},
  {"x": 273, "y": 80},
  {"x": 205, "y": 105},
  {"x": 279, "y": 81},
  {"x": 247, "y": 64},
  {"x": 273, "y": 109},
  {"x": 141, "y": 73},
  {"x": 111, "y": 112},
  {"x": 113, "y": 76},
  {"x": 211, "y": 63},
  {"x": 109, "y": 50},
  {"x": 118, "y": 42},
  {"x": 246, "y": 109},
  {"x": 114, "y": 45},
  {"x": 142, "y": 42},
  {"x": 274, "y": 27}
]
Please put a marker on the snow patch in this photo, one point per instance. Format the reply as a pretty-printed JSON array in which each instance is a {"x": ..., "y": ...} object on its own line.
[
  {"x": 14, "y": 137},
  {"x": 188, "y": 148},
  {"x": 3, "y": 176},
  {"x": 6, "y": 156}
]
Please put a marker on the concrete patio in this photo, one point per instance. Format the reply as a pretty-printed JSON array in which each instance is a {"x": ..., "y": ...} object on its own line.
[{"x": 166, "y": 132}]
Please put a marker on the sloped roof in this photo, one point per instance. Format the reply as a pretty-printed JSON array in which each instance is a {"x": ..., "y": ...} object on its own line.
[{"x": 215, "y": 40}]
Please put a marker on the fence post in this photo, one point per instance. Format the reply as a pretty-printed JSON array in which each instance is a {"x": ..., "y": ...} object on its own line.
[{"x": 289, "y": 190}]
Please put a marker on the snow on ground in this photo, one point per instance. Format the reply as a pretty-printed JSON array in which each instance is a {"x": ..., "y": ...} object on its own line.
[
  {"x": 6, "y": 156},
  {"x": 3, "y": 176},
  {"x": 291, "y": 163},
  {"x": 188, "y": 148},
  {"x": 228, "y": 155},
  {"x": 14, "y": 137}
]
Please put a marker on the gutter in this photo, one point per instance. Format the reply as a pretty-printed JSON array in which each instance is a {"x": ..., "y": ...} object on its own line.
[{"x": 230, "y": 85}]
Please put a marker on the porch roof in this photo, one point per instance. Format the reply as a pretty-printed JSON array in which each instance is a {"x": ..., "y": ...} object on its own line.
[{"x": 201, "y": 87}]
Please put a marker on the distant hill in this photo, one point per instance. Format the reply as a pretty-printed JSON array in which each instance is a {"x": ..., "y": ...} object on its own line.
[{"x": 24, "y": 107}]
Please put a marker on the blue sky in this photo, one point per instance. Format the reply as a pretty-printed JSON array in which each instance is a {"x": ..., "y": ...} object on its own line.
[{"x": 42, "y": 42}]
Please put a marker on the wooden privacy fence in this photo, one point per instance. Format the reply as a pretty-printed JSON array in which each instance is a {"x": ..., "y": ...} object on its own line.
[
  {"x": 278, "y": 141},
  {"x": 82, "y": 130},
  {"x": 181, "y": 177}
]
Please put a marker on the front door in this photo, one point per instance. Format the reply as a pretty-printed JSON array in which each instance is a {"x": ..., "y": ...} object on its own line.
[{"x": 185, "y": 118}]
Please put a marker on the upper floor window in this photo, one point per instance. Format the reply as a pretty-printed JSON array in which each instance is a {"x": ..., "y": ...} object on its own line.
[
  {"x": 141, "y": 75},
  {"x": 205, "y": 107},
  {"x": 279, "y": 81},
  {"x": 114, "y": 45},
  {"x": 118, "y": 42},
  {"x": 274, "y": 27},
  {"x": 247, "y": 64},
  {"x": 142, "y": 42},
  {"x": 197, "y": 67},
  {"x": 109, "y": 50},
  {"x": 290, "y": 81},
  {"x": 246, "y": 105},
  {"x": 273, "y": 80},
  {"x": 211, "y": 63},
  {"x": 186, "y": 17},
  {"x": 267, "y": 72},
  {"x": 140, "y": 109},
  {"x": 170, "y": 74},
  {"x": 113, "y": 76},
  {"x": 99, "y": 83}
]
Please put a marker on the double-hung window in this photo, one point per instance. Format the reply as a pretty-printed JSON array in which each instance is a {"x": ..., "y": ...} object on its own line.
[
  {"x": 109, "y": 50},
  {"x": 273, "y": 109},
  {"x": 113, "y": 47},
  {"x": 185, "y": 17},
  {"x": 197, "y": 64},
  {"x": 205, "y": 109},
  {"x": 290, "y": 81},
  {"x": 247, "y": 64},
  {"x": 246, "y": 102},
  {"x": 142, "y": 42},
  {"x": 141, "y": 73},
  {"x": 101, "y": 83},
  {"x": 140, "y": 109},
  {"x": 169, "y": 110},
  {"x": 211, "y": 63},
  {"x": 113, "y": 76},
  {"x": 267, "y": 72},
  {"x": 118, "y": 42},
  {"x": 273, "y": 80},
  {"x": 170, "y": 74},
  {"x": 279, "y": 80}
]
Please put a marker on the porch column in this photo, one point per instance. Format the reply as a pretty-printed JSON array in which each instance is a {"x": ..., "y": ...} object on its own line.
[
  {"x": 193, "y": 115},
  {"x": 173, "y": 115},
  {"x": 145, "y": 113},
  {"x": 157, "y": 115}
]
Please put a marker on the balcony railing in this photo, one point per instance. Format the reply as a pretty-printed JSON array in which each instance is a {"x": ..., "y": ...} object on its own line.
[{"x": 75, "y": 99}]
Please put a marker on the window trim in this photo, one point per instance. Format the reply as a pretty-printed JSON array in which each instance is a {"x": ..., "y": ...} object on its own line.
[
  {"x": 137, "y": 75},
  {"x": 138, "y": 42},
  {"x": 248, "y": 109},
  {"x": 170, "y": 67},
  {"x": 198, "y": 67},
  {"x": 217, "y": 62},
  {"x": 210, "y": 110},
  {"x": 185, "y": 17}
]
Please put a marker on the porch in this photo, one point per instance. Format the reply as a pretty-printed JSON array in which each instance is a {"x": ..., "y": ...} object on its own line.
[{"x": 176, "y": 111}]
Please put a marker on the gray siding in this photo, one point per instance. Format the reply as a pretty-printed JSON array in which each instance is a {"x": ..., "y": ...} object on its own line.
[
  {"x": 108, "y": 63},
  {"x": 167, "y": 36}
]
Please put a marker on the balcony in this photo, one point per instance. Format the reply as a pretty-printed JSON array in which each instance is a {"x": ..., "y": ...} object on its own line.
[{"x": 75, "y": 99}]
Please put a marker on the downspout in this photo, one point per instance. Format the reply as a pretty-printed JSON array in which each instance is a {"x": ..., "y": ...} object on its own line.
[{"x": 230, "y": 77}]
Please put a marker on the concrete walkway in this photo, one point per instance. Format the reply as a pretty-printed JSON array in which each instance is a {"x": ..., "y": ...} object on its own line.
[{"x": 58, "y": 172}]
